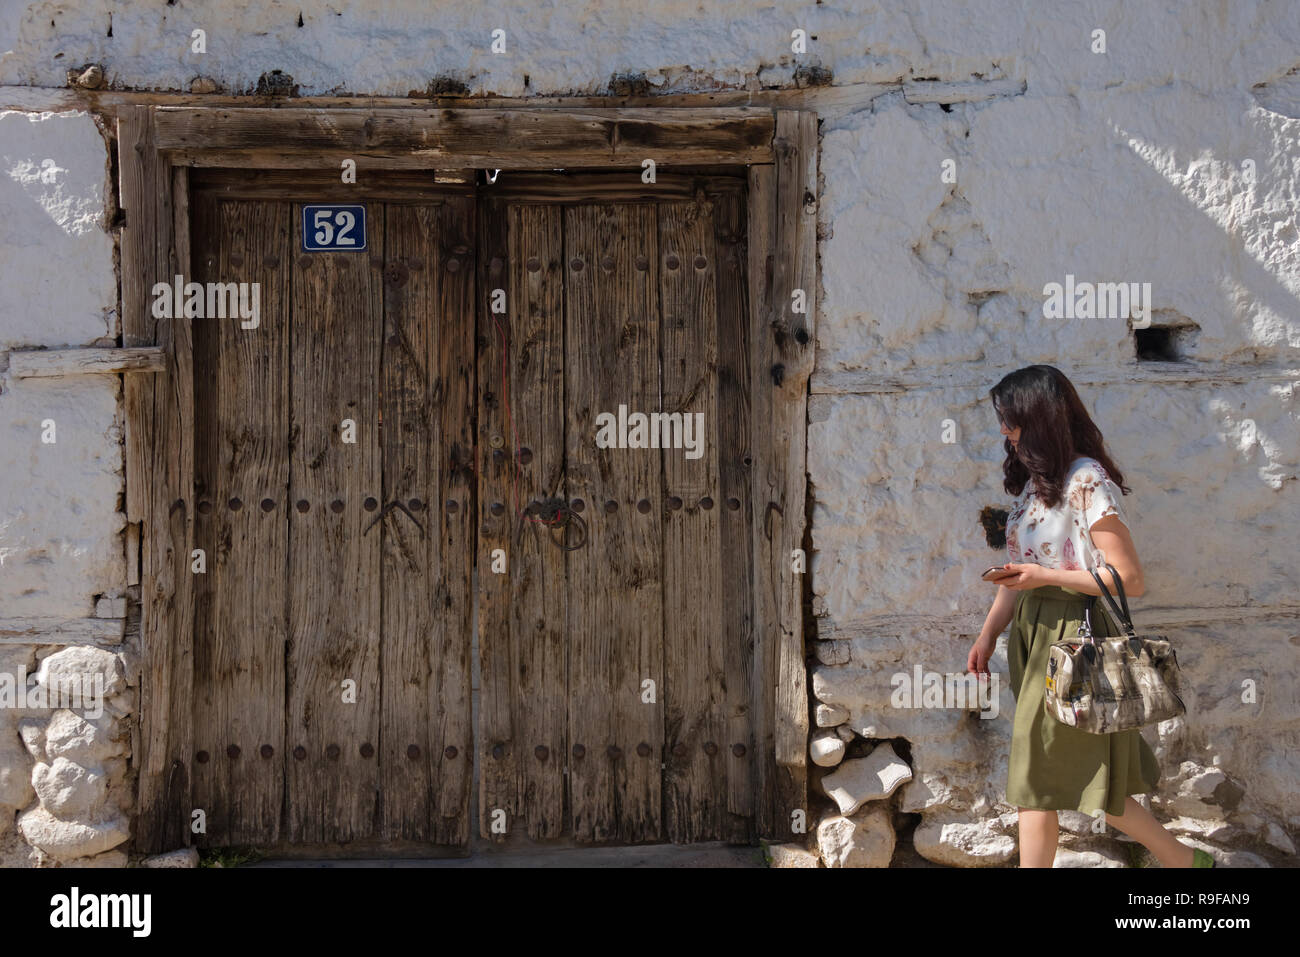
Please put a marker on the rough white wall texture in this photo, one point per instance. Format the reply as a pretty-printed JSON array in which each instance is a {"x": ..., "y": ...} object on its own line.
[
  {"x": 63, "y": 777},
  {"x": 1173, "y": 158}
]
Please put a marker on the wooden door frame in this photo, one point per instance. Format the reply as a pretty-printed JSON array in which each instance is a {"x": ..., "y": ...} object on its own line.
[{"x": 157, "y": 145}]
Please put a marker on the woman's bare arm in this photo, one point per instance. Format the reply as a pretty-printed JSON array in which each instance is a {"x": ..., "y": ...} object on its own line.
[{"x": 999, "y": 616}]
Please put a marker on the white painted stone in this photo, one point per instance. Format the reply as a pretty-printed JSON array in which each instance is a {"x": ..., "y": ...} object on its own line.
[
  {"x": 872, "y": 778},
  {"x": 1076, "y": 822},
  {"x": 68, "y": 840},
  {"x": 83, "y": 740},
  {"x": 185, "y": 857},
  {"x": 1088, "y": 858},
  {"x": 827, "y": 716},
  {"x": 826, "y": 749},
  {"x": 865, "y": 839},
  {"x": 950, "y": 840},
  {"x": 80, "y": 662},
  {"x": 1212, "y": 830},
  {"x": 69, "y": 791},
  {"x": 778, "y": 855}
]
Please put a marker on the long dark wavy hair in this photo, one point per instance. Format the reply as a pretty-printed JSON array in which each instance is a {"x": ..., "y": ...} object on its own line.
[{"x": 1055, "y": 429}]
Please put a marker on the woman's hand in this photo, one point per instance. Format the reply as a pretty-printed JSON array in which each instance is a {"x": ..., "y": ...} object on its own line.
[
  {"x": 1028, "y": 575},
  {"x": 999, "y": 616},
  {"x": 980, "y": 653}
]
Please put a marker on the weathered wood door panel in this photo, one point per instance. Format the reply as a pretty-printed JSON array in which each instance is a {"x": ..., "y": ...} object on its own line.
[
  {"x": 241, "y": 459},
  {"x": 335, "y": 485},
  {"x": 429, "y": 488},
  {"x": 523, "y": 626},
  {"x": 707, "y": 642},
  {"x": 615, "y": 583},
  {"x": 647, "y": 624}
]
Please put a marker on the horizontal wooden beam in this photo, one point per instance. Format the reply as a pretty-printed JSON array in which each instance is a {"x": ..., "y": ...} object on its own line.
[
  {"x": 820, "y": 98},
  {"x": 62, "y": 631},
  {"x": 614, "y": 187},
  {"x": 408, "y": 186},
  {"x": 943, "y": 91},
  {"x": 829, "y": 102},
  {"x": 982, "y": 378},
  {"x": 511, "y": 138},
  {"x": 325, "y": 185},
  {"x": 34, "y": 363}
]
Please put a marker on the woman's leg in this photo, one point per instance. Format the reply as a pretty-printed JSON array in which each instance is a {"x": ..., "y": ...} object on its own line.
[
  {"x": 1039, "y": 831},
  {"x": 1138, "y": 823}
]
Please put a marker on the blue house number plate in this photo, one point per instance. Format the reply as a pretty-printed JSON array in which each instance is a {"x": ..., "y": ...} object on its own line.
[{"x": 333, "y": 229}]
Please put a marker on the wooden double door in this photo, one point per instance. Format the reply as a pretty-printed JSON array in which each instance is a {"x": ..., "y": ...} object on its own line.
[{"x": 427, "y": 452}]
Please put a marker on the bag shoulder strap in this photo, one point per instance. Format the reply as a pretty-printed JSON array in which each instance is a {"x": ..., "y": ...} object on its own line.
[
  {"x": 1122, "y": 615},
  {"x": 1119, "y": 587}
]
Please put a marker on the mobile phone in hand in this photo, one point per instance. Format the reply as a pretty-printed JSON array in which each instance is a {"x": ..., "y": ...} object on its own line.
[{"x": 997, "y": 573}]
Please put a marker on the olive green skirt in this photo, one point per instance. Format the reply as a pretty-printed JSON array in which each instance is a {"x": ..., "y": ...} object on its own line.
[{"x": 1054, "y": 766}]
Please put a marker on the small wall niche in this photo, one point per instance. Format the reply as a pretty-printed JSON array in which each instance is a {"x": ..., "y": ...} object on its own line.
[{"x": 1170, "y": 340}]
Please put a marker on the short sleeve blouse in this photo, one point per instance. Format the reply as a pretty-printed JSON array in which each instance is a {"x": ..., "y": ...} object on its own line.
[{"x": 1059, "y": 537}]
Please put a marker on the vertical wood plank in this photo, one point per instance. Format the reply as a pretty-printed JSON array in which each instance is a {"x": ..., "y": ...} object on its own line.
[
  {"x": 132, "y": 535},
  {"x": 334, "y": 564},
  {"x": 615, "y": 582},
  {"x": 783, "y": 221},
  {"x": 761, "y": 228},
  {"x": 241, "y": 457},
  {"x": 694, "y": 688},
  {"x": 428, "y": 353},
  {"x": 498, "y": 769},
  {"x": 160, "y": 475},
  {"x": 455, "y": 495},
  {"x": 137, "y": 185},
  {"x": 522, "y": 613},
  {"x": 410, "y": 542},
  {"x": 736, "y": 553},
  {"x": 796, "y": 209}
]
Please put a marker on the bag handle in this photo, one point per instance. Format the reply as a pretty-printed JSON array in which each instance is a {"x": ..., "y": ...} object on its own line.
[{"x": 1121, "y": 615}]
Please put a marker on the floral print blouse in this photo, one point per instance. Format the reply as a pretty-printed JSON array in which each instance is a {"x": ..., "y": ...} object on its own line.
[{"x": 1059, "y": 537}]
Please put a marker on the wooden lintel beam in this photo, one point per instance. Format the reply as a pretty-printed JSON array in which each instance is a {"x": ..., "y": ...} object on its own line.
[{"x": 507, "y": 139}]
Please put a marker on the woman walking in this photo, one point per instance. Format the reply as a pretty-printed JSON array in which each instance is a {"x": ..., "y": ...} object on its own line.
[{"x": 1066, "y": 519}]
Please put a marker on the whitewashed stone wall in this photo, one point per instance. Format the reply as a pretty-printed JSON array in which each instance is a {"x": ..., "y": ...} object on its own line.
[
  {"x": 1128, "y": 165},
  {"x": 64, "y": 789}
]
